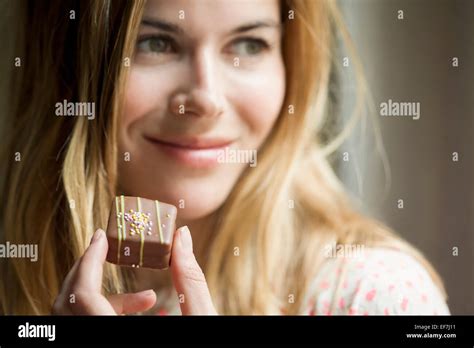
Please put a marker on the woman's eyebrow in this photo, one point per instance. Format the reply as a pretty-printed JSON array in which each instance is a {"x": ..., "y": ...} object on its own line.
[
  {"x": 257, "y": 25},
  {"x": 163, "y": 25},
  {"x": 173, "y": 28}
]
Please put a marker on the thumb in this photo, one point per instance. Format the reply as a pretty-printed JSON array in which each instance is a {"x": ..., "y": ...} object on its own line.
[
  {"x": 131, "y": 303},
  {"x": 188, "y": 278}
]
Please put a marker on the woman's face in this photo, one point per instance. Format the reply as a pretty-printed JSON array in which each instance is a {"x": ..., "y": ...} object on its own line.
[{"x": 206, "y": 82}]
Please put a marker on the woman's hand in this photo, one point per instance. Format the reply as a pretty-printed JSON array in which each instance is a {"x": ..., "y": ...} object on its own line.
[
  {"x": 81, "y": 292},
  {"x": 188, "y": 278}
]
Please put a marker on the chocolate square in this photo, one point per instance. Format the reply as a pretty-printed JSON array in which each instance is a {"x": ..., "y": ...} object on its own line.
[{"x": 140, "y": 232}]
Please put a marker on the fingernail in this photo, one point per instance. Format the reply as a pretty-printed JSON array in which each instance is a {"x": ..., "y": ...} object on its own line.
[
  {"x": 97, "y": 235},
  {"x": 147, "y": 293},
  {"x": 186, "y": 240}
]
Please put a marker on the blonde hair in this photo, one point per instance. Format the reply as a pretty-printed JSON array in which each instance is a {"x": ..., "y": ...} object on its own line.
[{"x": 61, "y": 189}]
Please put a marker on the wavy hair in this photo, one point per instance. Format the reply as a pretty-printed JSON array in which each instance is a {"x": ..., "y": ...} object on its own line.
[{"x": 60, "y": 191}]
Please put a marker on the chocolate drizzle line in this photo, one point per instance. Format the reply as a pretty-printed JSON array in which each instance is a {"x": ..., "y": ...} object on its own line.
[
  {"x": 124, "y": 230},
  {"x": 157, "y": 206},
  {"x": 142, "y": 236},
  {"x": 117, "y": 212}
]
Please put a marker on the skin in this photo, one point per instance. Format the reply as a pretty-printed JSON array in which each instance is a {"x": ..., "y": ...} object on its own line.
[
  {"x": 224, "y": 104},
  {"x": 84, "y": 281}
]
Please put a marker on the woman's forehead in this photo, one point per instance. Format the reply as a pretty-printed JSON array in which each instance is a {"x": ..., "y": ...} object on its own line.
[{"x": 213, "y": 15}]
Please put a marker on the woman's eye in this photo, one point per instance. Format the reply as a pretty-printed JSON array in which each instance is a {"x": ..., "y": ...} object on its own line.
[
  {"x": 155, "y": 45},
  {"x": 249, "y": 47}
]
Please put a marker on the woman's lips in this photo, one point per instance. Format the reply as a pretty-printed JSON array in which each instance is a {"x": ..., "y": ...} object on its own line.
[{"x": 196, "y": 152}]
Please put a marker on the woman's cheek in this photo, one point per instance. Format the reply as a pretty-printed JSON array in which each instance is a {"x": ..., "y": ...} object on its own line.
[
  {"x": 148, "y": 89},
  {"x": 137, "y": 95},
  {"x": 259, "y": 99},
  {"x": 138, "y": 102}
]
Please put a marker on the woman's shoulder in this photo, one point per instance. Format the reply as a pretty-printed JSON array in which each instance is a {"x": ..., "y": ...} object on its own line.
[{"x": 375, "y": 281}]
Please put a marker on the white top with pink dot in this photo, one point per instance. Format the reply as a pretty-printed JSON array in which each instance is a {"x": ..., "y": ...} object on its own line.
[{"x": 377, "y": 282}]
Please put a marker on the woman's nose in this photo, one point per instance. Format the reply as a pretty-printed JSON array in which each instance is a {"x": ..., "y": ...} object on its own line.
[
  {"x": 196, "y": 102},
  {"x": 199, "y": 95}
]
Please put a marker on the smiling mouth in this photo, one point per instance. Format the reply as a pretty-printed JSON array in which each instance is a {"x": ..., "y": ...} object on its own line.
[
  {"x": 192, "y": 152},
  {"x": 194, "y": 144}
]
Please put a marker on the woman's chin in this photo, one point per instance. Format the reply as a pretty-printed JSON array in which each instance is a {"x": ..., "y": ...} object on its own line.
[
  {"x": 196, "y": 208},
  {"x": 194, "y": 199},
  {"x": 191, "y": 206}
]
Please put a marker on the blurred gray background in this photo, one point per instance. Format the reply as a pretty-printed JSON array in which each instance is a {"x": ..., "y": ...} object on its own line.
[{"x": 411, "y": 60}]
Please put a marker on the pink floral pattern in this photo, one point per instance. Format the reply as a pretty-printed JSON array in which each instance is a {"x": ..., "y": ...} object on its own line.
[{"x": 379, "y": 282}]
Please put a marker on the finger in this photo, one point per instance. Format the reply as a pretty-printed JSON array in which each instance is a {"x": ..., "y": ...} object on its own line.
[
  {"x": 81, "y": 292},
  {"x": 90, "y": 269},
  {"x": 132, "y": 303},
  {"x": 61, "y": 304},
  {"x": 188, "y": 278},
  {"x": 65, "y": 289},
  {"x": 59, "y": 307}
]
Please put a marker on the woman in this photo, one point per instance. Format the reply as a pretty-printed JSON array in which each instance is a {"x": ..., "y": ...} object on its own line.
[{"x": 175, "y": 83}]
